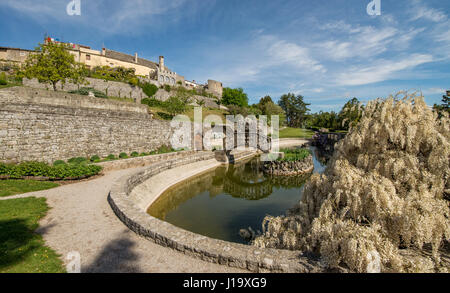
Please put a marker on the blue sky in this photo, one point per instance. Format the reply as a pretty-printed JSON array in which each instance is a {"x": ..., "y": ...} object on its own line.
[{"x": 326, "y": 50}]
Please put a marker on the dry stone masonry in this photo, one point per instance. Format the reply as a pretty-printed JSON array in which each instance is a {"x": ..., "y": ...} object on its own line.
[{"x": 41, "y": 125}]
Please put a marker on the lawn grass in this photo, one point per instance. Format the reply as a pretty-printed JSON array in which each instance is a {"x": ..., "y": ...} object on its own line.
[
  {"x": 162, "y": 114},
  {"x": 12, "y": 187},
  {"x": 22, "y": 250},
  {"x": 290, "y": 132}
]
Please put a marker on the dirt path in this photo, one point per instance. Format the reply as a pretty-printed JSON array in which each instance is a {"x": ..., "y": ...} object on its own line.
[{"x": 80, "y": 219}]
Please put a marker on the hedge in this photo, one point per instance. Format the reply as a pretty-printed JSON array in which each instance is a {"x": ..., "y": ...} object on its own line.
[{"x": 38, "y": 169}]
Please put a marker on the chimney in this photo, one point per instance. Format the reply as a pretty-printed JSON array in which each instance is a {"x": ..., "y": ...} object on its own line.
[
  {"x": 161, "y": 63},
  {"x": 135, "y": 58},
  {"x": 103, "y": 51}
]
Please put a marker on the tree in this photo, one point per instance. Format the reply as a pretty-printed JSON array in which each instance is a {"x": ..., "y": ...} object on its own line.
[
  {"x": 234, "y": 97},
  {"x": 351, "y": 113},
  {"x": 175, "y": 105},
  {"x": 52, "y": 64},
  {"x": 295, "y": 109},
  {"x": 444, "y": 107}
]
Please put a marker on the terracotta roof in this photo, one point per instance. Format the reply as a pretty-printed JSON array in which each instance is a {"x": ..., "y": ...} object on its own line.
[
  {"x": 9, "y": 48},
  {"x": 129, "y": 58}
]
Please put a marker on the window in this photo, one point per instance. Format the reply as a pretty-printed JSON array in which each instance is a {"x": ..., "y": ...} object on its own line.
[{"x": 88, "y": 57}]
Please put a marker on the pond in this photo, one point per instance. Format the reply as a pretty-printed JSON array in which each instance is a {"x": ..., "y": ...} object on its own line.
[{"x": 221, "y": 202}]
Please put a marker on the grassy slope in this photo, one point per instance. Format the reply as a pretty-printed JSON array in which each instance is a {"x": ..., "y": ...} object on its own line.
[
  {"x": 22, "y": 250},
  {"x": 12, "y": 187},
  {"x": 163, "y": 115},
  {"x": 289, "y": 132}
]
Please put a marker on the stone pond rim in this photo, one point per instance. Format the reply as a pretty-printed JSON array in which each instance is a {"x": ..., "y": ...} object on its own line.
[{"x": 208, "y": 249}]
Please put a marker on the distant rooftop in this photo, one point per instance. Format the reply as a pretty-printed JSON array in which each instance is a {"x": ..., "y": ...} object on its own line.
[{"x": 129, "y": 58}]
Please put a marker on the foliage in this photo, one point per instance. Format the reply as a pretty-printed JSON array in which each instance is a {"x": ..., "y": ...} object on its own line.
[
  {"x": 328, "y": 120},
  {"x": 149, "y": 89},
  {"x": 78, "y": 160},
  {"x": 291, "y": 155},
  {"x": 21, "y": 249},
  {"x": 39, "y": 169},
  {"x": 167, "y": 88},
  {"x": 383, "y": 190},
  {"x": 114, "y": 74},
  {"x": 444, "y": 107},
  {"x": 54, "y": 64},
  {"x": 134, "y": 154},
  {"x": 95, "y": 159},
  {"x": 351, "y": 114},
  {"x": 295, "y": 109},
  {"x": 59, "y": 162},
  {"x": 175, "y": 105},
  {"x": 123, "y": 156},
  {"x": 12, "y": 187},
  {"x": 111, "y": 157},
  {"x": 3, "y": 80},
  {"x": 234, "y": 97},
  {"x": 152, "y": 102}
]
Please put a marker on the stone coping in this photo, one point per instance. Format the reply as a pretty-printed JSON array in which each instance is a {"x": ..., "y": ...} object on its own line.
[
  {"x": 121, "y": 164},
  {"x": 208, "y": 249}
]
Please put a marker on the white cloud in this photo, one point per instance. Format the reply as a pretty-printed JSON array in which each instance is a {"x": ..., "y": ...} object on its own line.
[
  {"x": 105, "y": 15},
  {"x": 420, "y": 11},
  {"x": 381, "y": 71}
]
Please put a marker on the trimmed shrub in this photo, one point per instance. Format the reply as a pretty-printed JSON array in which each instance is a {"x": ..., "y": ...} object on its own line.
[
  {"x": 135, "y": 154},
  {"x": 95, "y": 158},
  {"x": 59, "y": 162},
  {"x": 123, "y": 156},
  {"x": 78, "y": 160},
  {"x": 39, "y": 169},
  {"x": 149, "y": 89},
  {"x": 111, "y": 157}
]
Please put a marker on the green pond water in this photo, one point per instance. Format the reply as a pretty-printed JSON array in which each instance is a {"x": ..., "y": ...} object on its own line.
[{"x": 220, "y": 202}]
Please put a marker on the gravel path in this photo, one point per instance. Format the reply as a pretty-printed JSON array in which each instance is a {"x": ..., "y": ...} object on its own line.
[{"x": 80, "y": 219}]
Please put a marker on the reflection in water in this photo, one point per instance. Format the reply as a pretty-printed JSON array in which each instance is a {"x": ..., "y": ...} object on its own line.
[{"x": 220, "y": 202}]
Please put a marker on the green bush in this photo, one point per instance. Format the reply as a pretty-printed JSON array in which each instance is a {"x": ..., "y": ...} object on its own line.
[
  {"x": 175, "y": 105},
  {"x": 95, "y": 158},
  {"x": 39, "y": 169},
  {"x": 149, "y": 89},
  {"x": 3, "y": 79},
  {"x": 123, "y": 156},
  {"x": 78, "y": 160},
  {"x": 135, "y": 154},
  {"x": 168, "y": 88},
  {"x": 111, "y": 157},
  {"x": 165, "y": 149},
  {"x": 152, "y": 102},
  {"x": 59, "y": 162},
  {"x": 143, "y": 154}
]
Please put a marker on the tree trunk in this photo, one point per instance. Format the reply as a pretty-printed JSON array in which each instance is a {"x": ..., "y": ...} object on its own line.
[{"x": 54, "y": 86}]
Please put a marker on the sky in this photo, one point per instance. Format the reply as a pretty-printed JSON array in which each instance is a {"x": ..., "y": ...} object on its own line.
[{"x": 326, "y": 50}]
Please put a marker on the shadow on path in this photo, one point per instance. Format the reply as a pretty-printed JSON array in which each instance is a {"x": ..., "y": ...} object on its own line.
[{"x": 116, "y": 257}]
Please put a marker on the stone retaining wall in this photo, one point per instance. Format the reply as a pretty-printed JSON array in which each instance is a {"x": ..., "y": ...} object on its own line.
[
  {"x": 282, "y": 168},
  {"x": 111, "y": 88},
  {"x": 208, "y": 249},
  {"x": 41, "y": 125}
]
